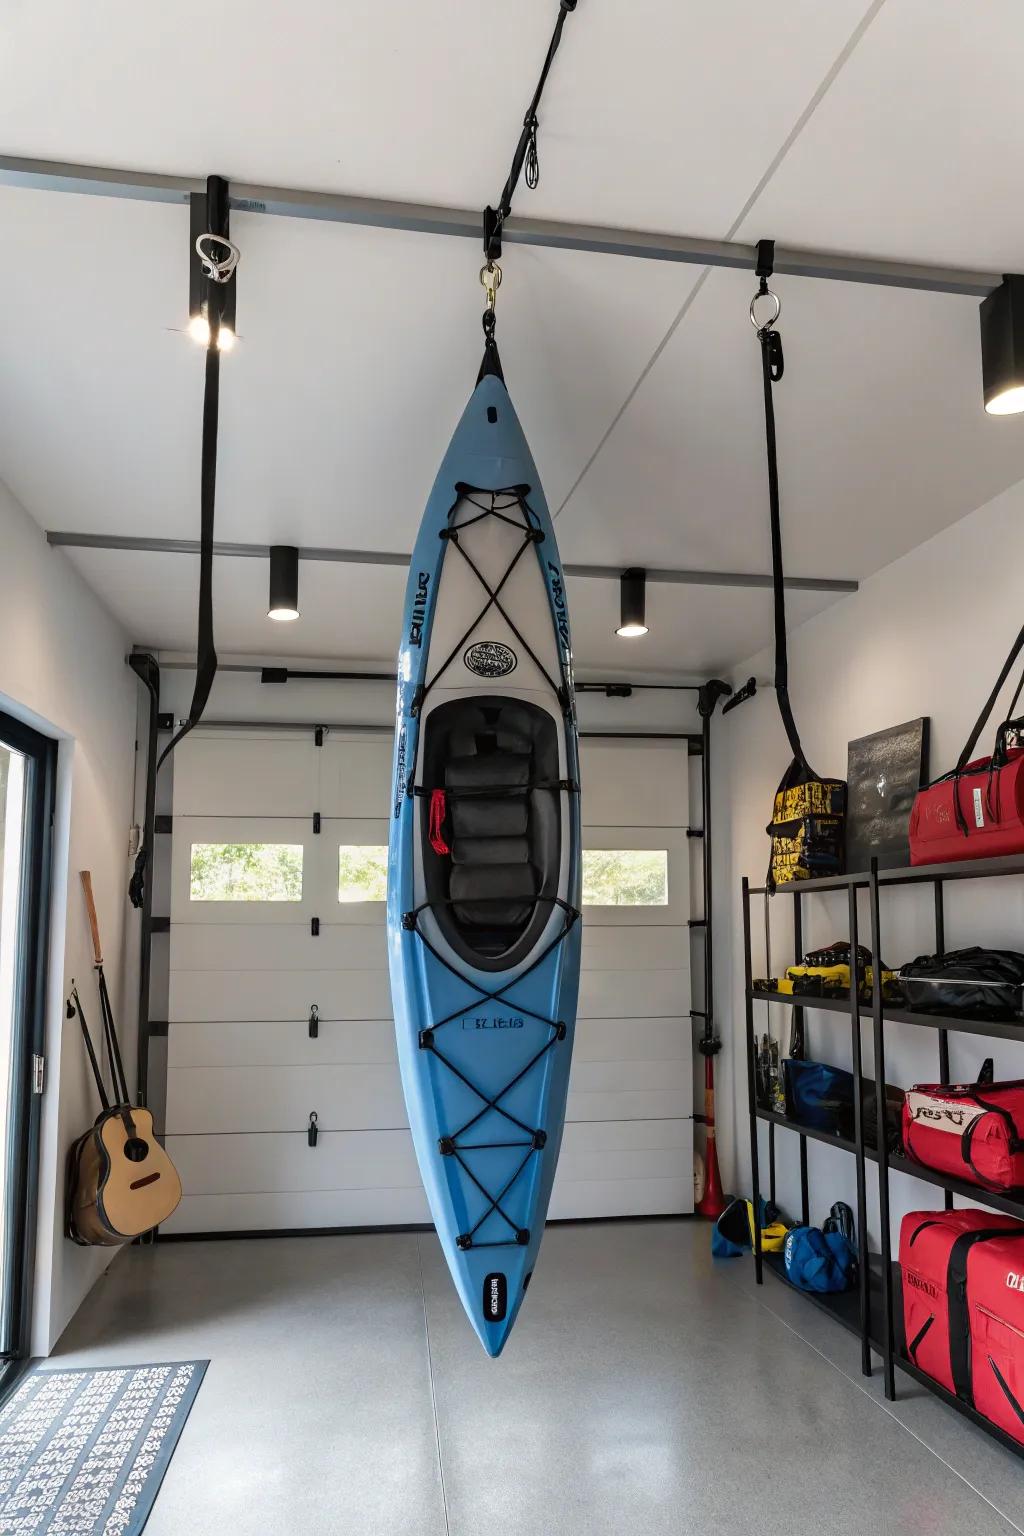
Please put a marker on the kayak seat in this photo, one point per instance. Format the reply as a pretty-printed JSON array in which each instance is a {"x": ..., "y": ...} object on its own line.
[{"x": 491, "y": 756}]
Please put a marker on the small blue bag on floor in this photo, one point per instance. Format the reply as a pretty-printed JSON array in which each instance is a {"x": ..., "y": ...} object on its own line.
[{"x": 819, "y": 1261}]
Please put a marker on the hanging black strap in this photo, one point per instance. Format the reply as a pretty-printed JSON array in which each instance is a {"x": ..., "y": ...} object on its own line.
[
  {"x": 772, "y": 365},
  {"x": 526, "y": 148},
  {"x": 990, "y": 703},
  {"x": 75, "y": 1007},
  {"x": 206, "y": 654}
]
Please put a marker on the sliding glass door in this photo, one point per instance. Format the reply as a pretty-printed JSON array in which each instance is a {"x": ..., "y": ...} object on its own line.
[{"x": 27, "y": 771}]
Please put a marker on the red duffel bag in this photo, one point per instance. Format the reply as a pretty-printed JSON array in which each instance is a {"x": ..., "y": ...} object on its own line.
[
  {"x": 969, "y": 1130},
  {"x": 963, "y": 1308},
  {"x": 977, "y": 810}
]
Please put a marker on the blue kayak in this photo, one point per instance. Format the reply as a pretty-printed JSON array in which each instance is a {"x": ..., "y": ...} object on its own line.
[{"x": 484, "y": 859}]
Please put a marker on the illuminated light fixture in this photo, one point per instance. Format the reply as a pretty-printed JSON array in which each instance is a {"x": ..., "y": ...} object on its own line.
[
  {"x": 284, "y": 583},
  {"x": 1002, "y": 347},
  {"x": 633, "y": 603},
  {"x": 199, "y": 330}
]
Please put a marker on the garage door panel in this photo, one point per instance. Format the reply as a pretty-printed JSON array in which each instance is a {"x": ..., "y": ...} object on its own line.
[
  {"x": 281, "y": 1043},
  {"x": 626, "y": 994},
  {"x": 290, "y": 1212},
  {"x": 207, "y": 1100},
  {"x": 614, "y": 948},
  {"x": 249, "y": 831},
  {"x": 655, "y": 1040},
  {"x": 245, "y": 775},
  {"x": 355, "y": 776},
  {"x": 670, "y": 1195},
  {"x": 672, "y": 913},
  {"x": 283, "y": 1163},
  {"x": 346, "y": 994},
  {"x": 289, "y": 947},
  {"x": 244, "y": 1075},
  {"x": 630, "y": 783}
]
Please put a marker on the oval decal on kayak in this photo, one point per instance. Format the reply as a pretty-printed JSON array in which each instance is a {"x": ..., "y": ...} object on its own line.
[{"x": 489, "y": 658}]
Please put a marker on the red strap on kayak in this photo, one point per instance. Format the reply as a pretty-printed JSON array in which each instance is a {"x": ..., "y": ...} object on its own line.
[{"x": 438, "y": 811}]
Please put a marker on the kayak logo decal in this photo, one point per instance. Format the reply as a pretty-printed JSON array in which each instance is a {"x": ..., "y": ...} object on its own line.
[
  {"x": 419, "y": 609},
  {"x": 489, "y": 658},
  {"x": 495, "y": 1298}
]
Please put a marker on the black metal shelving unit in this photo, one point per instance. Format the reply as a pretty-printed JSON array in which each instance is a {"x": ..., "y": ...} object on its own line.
[{"x": 874, "y": 1312}]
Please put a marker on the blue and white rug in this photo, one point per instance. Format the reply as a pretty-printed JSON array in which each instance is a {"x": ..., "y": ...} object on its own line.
[{"x": 83, "y": 1453}]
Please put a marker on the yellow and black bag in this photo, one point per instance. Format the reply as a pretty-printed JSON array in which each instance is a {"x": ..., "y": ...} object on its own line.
[{"x": 808, "y": 825}]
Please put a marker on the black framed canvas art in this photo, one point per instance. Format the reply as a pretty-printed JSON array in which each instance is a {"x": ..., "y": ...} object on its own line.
[{"x": 884, "y": 772}]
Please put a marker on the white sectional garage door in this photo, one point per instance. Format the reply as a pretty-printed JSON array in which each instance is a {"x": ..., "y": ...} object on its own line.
[{"x": 252, "y": 879}]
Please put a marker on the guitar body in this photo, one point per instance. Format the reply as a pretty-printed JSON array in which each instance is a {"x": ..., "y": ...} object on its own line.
[{"x": 121, "y": 1182}]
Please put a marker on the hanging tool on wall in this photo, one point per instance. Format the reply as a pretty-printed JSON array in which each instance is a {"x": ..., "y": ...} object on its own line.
[
  {"x": 808, "y": 822},
  {"x": 213, "y": 260}
]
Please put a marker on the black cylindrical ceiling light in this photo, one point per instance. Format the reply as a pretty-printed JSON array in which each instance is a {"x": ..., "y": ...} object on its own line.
[
  {"x": 284, "y": 582},
  {"x": 633, "y": 603},
  {"x": 1002, "y": 347}
]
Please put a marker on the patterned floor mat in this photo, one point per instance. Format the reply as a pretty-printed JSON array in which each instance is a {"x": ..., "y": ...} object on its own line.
[{"x": 83, "y": 1453}]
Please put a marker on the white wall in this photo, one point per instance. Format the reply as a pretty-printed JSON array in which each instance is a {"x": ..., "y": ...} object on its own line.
[
  {"x": 925, "y": 636},
  {"x": 62, "y": 670}
]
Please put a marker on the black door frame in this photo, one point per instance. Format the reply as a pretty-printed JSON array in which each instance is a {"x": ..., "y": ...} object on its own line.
[{"x": 20, "y": 1197}]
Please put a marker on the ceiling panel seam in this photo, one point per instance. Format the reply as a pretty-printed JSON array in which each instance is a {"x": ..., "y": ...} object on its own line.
[{"x": 824, "y": 85}]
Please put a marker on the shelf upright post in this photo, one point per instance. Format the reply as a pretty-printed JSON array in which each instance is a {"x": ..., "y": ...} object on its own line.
[
  {"x": 797, "y": 1033},
  {"x": 940, "y": 949},
  {"x": 858, "y": 1137},
  {"x": 748, "y": 1005},
  {"x": 888, "y": 1350}
]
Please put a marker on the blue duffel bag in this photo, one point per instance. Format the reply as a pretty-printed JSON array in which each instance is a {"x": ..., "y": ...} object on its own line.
[
  {"x": 819, "y": 1261},
  {"x": 816, "y": 1094}
]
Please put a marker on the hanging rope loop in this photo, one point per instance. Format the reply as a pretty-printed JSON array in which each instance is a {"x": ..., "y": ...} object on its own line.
[{"x": 532, "y": 160}]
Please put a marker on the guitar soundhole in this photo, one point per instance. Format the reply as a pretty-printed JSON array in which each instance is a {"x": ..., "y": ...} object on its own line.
[{"x": 136, "y": 1150}]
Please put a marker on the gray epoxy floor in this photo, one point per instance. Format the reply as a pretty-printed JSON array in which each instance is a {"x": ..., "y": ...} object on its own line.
[{"x": 645, "y": 1390}]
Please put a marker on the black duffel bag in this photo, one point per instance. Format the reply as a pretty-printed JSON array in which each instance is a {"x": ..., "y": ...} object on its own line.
[
  {"x": 894, "y": 1098},
  {"x": 974, "y": 983}
]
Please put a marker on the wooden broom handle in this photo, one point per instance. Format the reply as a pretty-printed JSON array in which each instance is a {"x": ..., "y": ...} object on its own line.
[{"x": 94, "y": 923}]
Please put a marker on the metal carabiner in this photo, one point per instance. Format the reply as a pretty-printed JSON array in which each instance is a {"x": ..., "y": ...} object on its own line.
[
  {"x": 764, "y": 293},
  {"x": 490, "y": 277}
]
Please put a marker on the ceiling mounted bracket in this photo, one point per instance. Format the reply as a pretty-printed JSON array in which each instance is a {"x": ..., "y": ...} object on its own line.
[{"x": 209, "y": 296}]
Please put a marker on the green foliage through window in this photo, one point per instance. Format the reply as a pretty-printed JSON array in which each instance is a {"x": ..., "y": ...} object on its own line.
[
  {"x": 246, "y": 872},
  {"x": 362, "y": 873},
  {"x": 625, "y": 877}
]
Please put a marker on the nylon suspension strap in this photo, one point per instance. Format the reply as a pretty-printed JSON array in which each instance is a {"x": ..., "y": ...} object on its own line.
[
  {"x": 219, "y": 258},
  {"x": 765, "y": 308},
  {"x": 525, "y": 156}
]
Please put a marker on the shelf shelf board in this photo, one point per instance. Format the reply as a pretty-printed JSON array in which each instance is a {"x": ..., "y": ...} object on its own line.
[
  {"x": 951, "y": 1401},
  {"x": 771, "y": 1117},
  {"x": 1005, "y": 1029},
  {"x": 911, "y": 874},
  {"x": 1012, "y": 1205},
  {"x": 843, "y": 1306}
]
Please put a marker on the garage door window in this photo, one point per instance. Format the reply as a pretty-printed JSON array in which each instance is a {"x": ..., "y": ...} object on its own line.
[
  {"x": 362, "y": 873},
  {"x": 625, "y": 877},
  {"x": 246, "y": 872}
]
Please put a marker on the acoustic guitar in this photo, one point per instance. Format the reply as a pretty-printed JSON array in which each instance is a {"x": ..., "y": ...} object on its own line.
[{"x": 121, "y": 1182}]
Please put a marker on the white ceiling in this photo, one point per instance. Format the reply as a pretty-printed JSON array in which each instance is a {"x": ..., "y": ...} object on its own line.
[{"x": 887, "y": 129}]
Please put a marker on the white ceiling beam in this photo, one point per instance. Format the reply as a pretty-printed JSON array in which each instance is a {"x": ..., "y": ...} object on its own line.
[{"x": 466, "y": 223}]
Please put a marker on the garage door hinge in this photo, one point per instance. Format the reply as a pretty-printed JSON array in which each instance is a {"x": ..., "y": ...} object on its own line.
[
  {"x": 316, "y": 823},
  {"x": 314, "y": 927},
  {"x": 38, "y": 1073},
  {"x": 318, "y": 736},
  {"x": 314, "y": 1022}
]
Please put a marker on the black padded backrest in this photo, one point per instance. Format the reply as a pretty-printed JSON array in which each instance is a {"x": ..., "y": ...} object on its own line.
[{"x": 492, "y": 757}]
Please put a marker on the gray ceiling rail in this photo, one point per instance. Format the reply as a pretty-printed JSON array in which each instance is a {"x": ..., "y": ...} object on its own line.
[
  {"x": 465, "y": 223},
  {"x": 679, "y": 578}
]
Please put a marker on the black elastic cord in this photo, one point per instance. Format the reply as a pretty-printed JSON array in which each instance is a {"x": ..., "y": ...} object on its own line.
[
  {"x": 526, "y": 148},
  {"x": 772, "y": 365}
]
